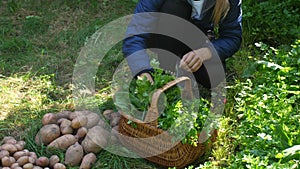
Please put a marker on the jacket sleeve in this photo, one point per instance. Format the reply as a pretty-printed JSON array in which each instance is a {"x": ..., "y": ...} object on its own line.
[
  {"x": 135, "y": 42},
  {"x": 230, "y": 31}
]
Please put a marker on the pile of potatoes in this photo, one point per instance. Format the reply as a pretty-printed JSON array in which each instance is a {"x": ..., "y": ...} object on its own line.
[
  {"x": 80, "y": 134},
  {"x": 14, "y": 156}
]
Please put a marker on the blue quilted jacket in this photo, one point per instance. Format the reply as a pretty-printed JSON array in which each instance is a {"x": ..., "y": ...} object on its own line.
[{"x": 228, "y": 42}]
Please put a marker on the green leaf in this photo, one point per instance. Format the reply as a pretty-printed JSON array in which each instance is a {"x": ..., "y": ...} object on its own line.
[
  {"x": 271, "y": 65},
  {"x": 290, "y": 153},
  {"x": 248, "y": 72},
  {"x": 283, "y": 136}
]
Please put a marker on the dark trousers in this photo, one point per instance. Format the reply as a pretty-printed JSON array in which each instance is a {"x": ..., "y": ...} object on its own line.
[{"x": 172, "y": 50}]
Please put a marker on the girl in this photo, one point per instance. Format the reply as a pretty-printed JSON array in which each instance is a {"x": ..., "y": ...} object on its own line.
[{"x": 199, "y": 59}]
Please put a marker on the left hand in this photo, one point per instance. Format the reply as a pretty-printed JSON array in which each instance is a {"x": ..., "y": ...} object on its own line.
[{"x": 193, "y": 60}]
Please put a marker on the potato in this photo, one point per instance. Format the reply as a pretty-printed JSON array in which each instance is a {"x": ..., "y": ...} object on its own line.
[
  {"x": 42, "y": 161},
  {"x": 115, "y": 118},
  {"x": 4, "y": 153},
  {"x": 107, "y": 114},
  {"x": 14, "y": 165},
  {"x": 59, "y": 121},
  {"x": 72, "y": 116},
  {"x": 19, "y": 154},
  {"x": 53, "y": 160},
  {"x": 9, "y": 147},
  {"x": 79, "y": 121},
  {"x": 59, "y": 166},
  {"x": 19, "y": 147},
  {"x": 65, "y": 122},
  {"x": 49, "y": 118},
  {"x": 17, "y": 168},
  {"x": 95, "y": 139},
  {"x": 63, "y": 114},
  {"x": 65, "y": 126},
  {"x": 27, "y": 151},
  {"x": 74, "y": 155},
  {"x": 87, "y": 161},
  {"x": 37, "y": 167},
  {"x": 28, "y": 166},
  {"x": 23, "y": 160},
  {"x": 79, "y": 113},
  {"x": 6, "y": 162},
  {"x": 10, "y": 140},
  {"x": 33, "y": 155},
  {"x": 7, "y": 168},
  {"x": 32, "y": 160},
  {"x": 47, "y": 134},
  {"x": 92, "y": 120},
  {"x": 67, "y": 130},
  {"x": 12, "y": 160},
  {"x": 63, "y": 142},
  {"x": 114, "y": 135},
  {"x": 7, "y": 138},
  {"x": 103, "y": 124},
  {"x": 22, "y": 143},
  {"x": 81, "y": 132}
]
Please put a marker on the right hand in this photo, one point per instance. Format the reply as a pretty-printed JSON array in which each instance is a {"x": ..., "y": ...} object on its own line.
[
  {"x": 193, "y": 60},
  {"x": 148, "y": 76}
]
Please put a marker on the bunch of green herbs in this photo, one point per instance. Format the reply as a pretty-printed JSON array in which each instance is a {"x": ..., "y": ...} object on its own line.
[{"x": 183, "y": 118}]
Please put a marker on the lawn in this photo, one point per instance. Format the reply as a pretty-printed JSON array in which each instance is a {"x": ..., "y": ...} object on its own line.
[{"x": 41, "y": 41}]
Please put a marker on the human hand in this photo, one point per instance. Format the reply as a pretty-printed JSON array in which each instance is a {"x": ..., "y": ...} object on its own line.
[
  {"x": 148, "y": 76},
  {"x": 193, "y": 60}
]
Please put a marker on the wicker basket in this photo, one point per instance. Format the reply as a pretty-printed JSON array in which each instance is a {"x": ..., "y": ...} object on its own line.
[{"x": 155, "y": 144}]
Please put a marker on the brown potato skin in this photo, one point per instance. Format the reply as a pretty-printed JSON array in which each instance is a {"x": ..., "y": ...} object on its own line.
[
  {"x": 49, "y": 118},
  {"x": 4, "y": 153},
  {"x": 53, "y": 160},
  {"x": 92, "y": 120},
  {"x": 95, "y": 140},
  {"x": 47, "y": 134},
  {"x": 59, "y": 166},
  {"x": 81, "y": 133},
  {"x": 28, "y": 166},
  {"x": 74, "y": 155},
  {"x": 87, "y": 161},
  {"x": 42, "y": 161},
  {"x": 5, "y": 161},
  {"x": 19, "y": 154},
  {"x": 63, "y": 114},
  {"x": 9, "y": 147},
  {"x": 65, "y": 126},
  {"x": 63, "y": 142},
  {"x": 79, "y": 121},
  {"x": 23, "y": 160}
]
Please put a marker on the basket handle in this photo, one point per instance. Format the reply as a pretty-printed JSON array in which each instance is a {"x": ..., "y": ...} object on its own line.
[{"x": 152, "y": 113}]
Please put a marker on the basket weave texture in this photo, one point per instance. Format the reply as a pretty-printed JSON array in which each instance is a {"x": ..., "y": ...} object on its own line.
[{"x": 155, "y": 144}]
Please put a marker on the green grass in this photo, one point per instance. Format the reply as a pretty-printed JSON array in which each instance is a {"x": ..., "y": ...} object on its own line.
[
  {"x": 47, "y": 37},
  {"x": 27, "y": 97},
  {"x": 41, "y": 40},
  {"x": 112, "y": 161}
]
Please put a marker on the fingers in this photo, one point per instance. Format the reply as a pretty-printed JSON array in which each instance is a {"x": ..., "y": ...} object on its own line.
[
  {"x": 196, "y": 66},
  {"x": 148, "y": 76},
  {"x": 185, "y": 60},
  {"x": 191, "y": 62}
]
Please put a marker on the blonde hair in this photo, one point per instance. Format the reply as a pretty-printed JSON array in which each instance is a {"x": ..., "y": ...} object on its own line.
[{"x": 220, "y": 11}]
